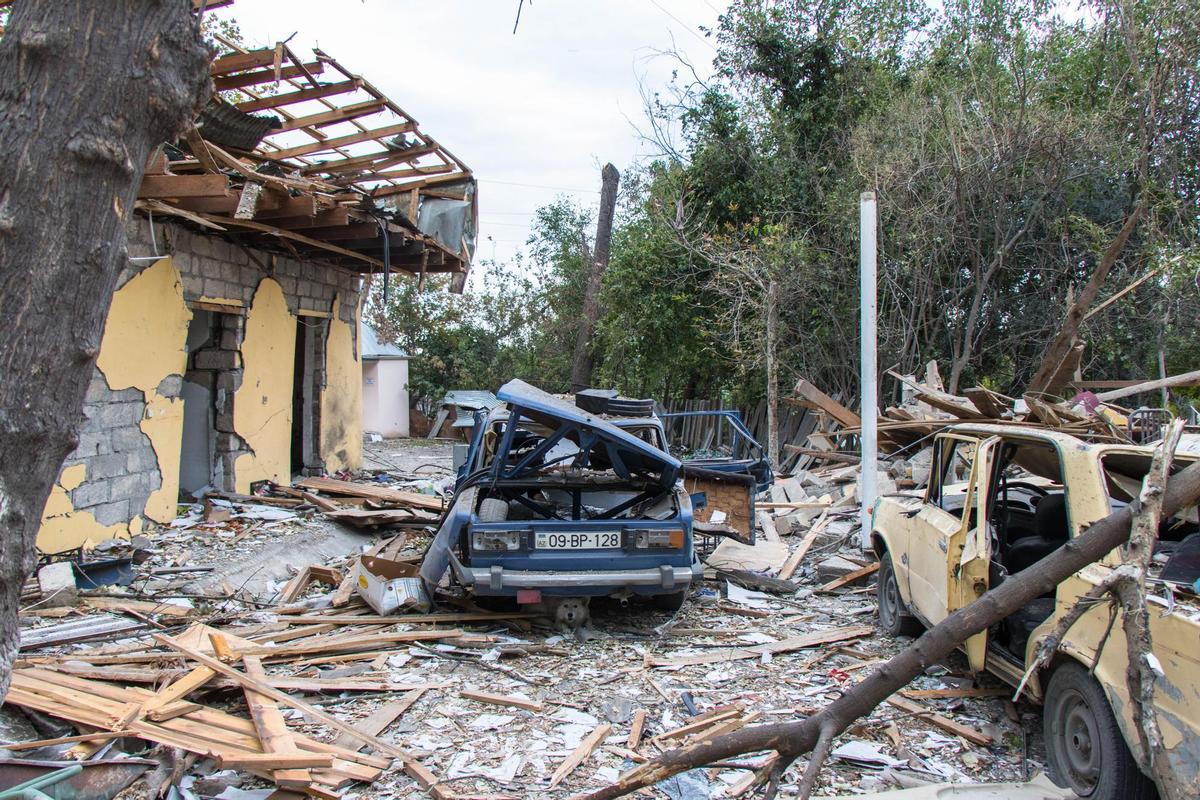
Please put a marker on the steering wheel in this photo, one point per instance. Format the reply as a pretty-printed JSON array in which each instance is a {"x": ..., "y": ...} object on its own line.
[{"x": 1040, "y": 491}]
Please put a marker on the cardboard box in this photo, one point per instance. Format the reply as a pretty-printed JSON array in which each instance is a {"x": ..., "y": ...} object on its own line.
[{"x": 388, "y": 586}]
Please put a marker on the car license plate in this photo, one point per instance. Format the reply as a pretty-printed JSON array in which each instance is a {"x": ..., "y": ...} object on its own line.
[{"x": 593, "y": 540}]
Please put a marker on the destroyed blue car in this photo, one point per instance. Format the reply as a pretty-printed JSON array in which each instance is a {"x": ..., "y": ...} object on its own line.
[{"x": 555, "y": 500}]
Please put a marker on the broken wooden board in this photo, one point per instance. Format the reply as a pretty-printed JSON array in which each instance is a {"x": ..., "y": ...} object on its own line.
[
  {"x": 580, "y": 754},
  {"x": 370, "y": 491},
  {"x": 812, "y": 397},
  {"x": 945, "y": 723},
  {"x": 786, "y": 646},
  {"x": 849, "y": 577},
  {"x": 368, "y": 518},
  {"x": 381, "y": 719},
  {"x": 768, "y": 553}
]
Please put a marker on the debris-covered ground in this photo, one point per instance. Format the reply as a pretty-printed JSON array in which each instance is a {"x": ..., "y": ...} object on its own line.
[{"x": 485, "y": 702}]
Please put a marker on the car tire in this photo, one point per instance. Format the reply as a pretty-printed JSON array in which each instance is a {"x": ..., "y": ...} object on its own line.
[
  {"x": 894, "y": 617},
  {"x": 1085, "y": 750},
  {"x": 670, "y": 602}
]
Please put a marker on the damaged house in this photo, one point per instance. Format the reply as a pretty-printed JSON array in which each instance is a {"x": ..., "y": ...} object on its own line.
[{"x": 231, "y": 352}]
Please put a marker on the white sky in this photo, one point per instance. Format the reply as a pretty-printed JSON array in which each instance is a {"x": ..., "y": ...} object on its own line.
[{"x": 546, "y": 107}]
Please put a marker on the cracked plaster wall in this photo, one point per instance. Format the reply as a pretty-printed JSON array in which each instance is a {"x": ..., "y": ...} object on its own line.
[{"x": 125, "y": 471}]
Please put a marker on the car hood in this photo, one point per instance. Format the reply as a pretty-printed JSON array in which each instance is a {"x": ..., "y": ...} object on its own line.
[{"x": 554, "y": 412}]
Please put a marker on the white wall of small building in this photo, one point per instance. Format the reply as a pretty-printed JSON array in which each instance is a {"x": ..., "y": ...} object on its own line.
[{"x": 385, "y": 397}]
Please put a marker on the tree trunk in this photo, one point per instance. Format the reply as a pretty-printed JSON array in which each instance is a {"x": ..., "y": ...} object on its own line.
[
  {"x": 772, "y": 346},
  {"x": 1051, "y": 377},
  {"x": 794, "y": 739},
  {"x": 581, "y": 368},
  {"x": 89, "y": 90}
]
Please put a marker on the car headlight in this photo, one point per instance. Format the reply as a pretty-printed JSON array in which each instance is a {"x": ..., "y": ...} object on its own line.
[
  {"x": 496, "y": 540},
  {"x": 644, "y": 540}
]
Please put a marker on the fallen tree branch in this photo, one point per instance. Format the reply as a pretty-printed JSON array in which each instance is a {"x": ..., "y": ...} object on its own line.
[{"x": 793, "y": 739}]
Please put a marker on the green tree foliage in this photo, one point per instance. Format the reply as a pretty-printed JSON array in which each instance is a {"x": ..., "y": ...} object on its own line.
[{"x": 1006, "y": 144}]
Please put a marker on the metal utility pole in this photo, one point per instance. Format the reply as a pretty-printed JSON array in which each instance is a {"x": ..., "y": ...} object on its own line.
[{"x": 869, "y": 406}]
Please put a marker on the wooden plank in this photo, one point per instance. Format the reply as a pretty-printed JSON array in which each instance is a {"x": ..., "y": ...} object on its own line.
[
  {"x": 295, "y": 237},
  {"x": 502, "y": 700},
  {"x": 89, "y": 701},
  {"x": 818, "y": 399},
  {"x": 322, "y": 219},
  {"x": 291, "y": 207},
  {"x": 786, "y": 646},
  {"x": 236, "y": 62},
  {"x": 342, "y": 141},
  {"x": 408, "y": 619},
  {"x": 334, "y": 116},
  {"x": 166, "y": 186},
  {"x": 789, "y": 567},
  {"x": 373, "y": 492},
  {"x": 245, "y": 681},
  {"x": 86, "y": 737},
  {"x": 176, "y": 691},
  {"x": 382, "y": 718},
  {"x": 580, "y": 754},
  {"x": 849, "y": 578},
  {"x": 287, "y": 98},
  {"x": 141, "y": 606},
  {"x": 226, "y": 82},
  {"x": 278, "y": 762},
  {"x": 319, "y": 502},
  {"x": 942, "y": 694},
  {"x": 697, "y": 725},
  {"x": 635, "y": 730},
  {"x": 272, "y": 730},
  {"x": 945, "y": 723}
]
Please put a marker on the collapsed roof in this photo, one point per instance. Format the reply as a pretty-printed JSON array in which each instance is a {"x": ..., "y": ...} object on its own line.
[{"x": 304, "y": 157}]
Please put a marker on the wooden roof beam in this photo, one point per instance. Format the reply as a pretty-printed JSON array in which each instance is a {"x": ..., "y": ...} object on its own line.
[
  {"x": 384, "y": 191},
  {"x": 299, "y": 96},
  {"x": 241, "y": 80},
  {"x": 163, "y": 186},
  {"x": 333, "y": 116},
  {"x": 341, "y": 141},
  {"x": 236, "y": 62}
]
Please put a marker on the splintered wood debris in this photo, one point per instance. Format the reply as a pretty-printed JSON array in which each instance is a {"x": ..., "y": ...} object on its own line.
[{"x": 303, "y": 688}]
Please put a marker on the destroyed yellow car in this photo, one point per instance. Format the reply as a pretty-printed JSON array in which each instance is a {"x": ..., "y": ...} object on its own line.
[{"x": 999, "y": 499}]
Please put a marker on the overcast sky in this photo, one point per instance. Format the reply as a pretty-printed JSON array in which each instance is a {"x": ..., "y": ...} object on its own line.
[{"x": 535, "y": 114}]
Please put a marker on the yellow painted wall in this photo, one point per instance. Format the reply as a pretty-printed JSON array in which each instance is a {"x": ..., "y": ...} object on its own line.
[
  {"x": 341, "y": 399},
  {"x": 144, "y": 342},
  {"x": 262, "y": 405}
]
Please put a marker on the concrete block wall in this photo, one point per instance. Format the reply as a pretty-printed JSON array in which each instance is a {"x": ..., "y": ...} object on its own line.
[
  {"x": 218, "y": 269},
  {"x": 122, "y": 465}
]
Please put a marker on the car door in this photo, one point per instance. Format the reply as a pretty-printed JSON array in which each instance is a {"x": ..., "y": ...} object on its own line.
[{"x": 947, "y": 551}]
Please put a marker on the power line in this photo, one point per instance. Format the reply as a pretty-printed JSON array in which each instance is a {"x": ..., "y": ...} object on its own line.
[
  {"x": 539, "y": 186},
  {"x": 684, "y": 25}
]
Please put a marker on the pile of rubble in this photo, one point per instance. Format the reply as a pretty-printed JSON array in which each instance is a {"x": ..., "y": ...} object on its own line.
[{"x": 254, "y": 690}]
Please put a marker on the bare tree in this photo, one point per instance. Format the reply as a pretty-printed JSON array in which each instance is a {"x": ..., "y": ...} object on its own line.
[
  {"x": 754, "y": 272},
  {"x": 90, "y": 89},
  {"x": 581, "y": 367}
]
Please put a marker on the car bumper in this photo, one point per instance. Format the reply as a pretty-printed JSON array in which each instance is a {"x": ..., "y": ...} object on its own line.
[{"x": 657, "y": 580}]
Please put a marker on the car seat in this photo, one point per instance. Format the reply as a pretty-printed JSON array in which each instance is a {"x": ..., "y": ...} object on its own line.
[{"x": 1050, "y": 519}]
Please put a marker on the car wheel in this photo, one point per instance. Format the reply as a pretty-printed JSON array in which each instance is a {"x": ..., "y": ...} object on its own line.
[
  {"x": 894, "y": 617},
  {"x": 1085, "y": 750},
  {"x": 670, "y": 602}
]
